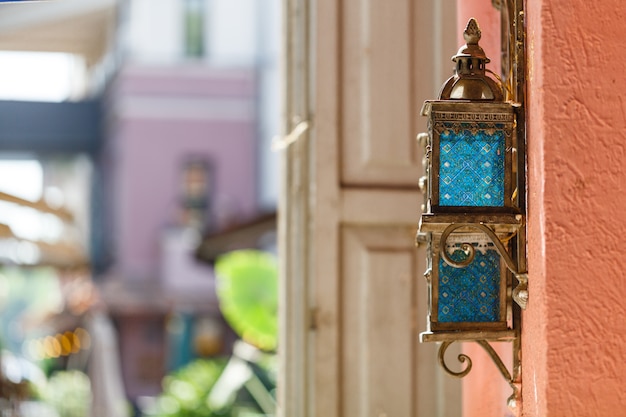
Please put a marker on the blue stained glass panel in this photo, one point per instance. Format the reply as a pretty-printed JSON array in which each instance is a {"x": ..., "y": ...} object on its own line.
[
  {"x": 470, "y": 294},
  {"x": 471, "y": 168}
]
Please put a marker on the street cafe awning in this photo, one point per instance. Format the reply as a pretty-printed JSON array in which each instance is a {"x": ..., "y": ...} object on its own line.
[{"x": 72, "y": 26}]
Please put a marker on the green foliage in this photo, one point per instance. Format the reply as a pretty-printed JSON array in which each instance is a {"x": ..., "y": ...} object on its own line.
[
  {"x": 69, "y": 392},
  {"x": 185, "y": 391},
  {"x": 247, "y": 287}
]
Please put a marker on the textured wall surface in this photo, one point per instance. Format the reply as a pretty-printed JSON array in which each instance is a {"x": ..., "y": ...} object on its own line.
[{"x": 574, "y": 329}]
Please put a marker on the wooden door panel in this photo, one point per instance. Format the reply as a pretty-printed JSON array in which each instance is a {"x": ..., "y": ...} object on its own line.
[
  {"x": 389, "y": 207},
  {"x": 353, "y": 295},
  {"x": 380, "y": 292},
  {"x": 376, "y": 97}
]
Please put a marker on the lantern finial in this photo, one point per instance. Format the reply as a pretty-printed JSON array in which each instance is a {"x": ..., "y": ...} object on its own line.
[
  {"x": 471, "y": 49},
  {"x": 472, "y": 32}
]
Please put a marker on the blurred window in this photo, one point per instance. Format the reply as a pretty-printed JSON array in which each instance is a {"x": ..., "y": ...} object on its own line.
[
  {"x": 196, "y": 188},
  {"x": 194, "y": 28}
]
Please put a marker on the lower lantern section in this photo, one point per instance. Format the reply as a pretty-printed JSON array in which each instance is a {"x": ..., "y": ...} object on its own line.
[{"x": 469, "y": 282}]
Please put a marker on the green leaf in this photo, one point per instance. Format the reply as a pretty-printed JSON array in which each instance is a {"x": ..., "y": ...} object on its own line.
[{"x": 247, "y": 288}]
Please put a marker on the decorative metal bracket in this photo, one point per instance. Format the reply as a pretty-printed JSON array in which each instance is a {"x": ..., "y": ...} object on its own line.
[
  {"x": 520, "y": 292},
  {"x": 512, "y": 378}
]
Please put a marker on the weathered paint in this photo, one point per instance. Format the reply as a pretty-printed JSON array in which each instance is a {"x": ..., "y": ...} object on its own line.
[{"x": 574, "y": 331}]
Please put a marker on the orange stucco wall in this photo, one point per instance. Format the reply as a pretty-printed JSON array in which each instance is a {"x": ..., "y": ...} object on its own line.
[{"x": 574, "y": 331}]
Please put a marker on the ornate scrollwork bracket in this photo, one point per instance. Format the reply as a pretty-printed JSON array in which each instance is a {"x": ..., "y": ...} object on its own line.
[
  {"x": 520, "y": 292},
  {"x": 519, "y": 295},
  {"x": 510, "y": 377}
]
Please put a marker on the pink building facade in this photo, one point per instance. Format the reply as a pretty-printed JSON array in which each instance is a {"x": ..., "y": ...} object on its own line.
[{"x": 161, "y": 119}]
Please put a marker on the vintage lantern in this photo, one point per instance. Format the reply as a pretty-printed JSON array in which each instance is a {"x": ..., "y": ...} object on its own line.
[
  {"x": 472, "y": 209},
  {"x": 474, "y": 216}
]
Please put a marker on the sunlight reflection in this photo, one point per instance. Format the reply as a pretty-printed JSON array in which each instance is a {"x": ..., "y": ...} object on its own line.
[{"x": 23, "y": 77}]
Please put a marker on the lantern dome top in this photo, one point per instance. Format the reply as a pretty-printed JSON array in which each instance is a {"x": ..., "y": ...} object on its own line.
[
  {"x": 470, "y": 81},
  {"x": 471, "y": 49}
]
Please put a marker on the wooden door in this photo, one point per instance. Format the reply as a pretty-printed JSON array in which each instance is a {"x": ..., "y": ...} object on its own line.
[{"x": 353, "y": 298}]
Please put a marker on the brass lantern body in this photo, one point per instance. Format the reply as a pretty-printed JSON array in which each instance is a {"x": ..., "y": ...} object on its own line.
[
  {"x": 474, "y": 216},
  {"x": 471, "y": 209}
]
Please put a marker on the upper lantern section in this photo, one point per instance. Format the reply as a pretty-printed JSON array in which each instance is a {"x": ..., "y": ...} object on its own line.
[{"x": 470, "y": 81}]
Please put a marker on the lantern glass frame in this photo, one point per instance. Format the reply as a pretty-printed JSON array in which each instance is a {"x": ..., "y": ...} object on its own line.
[
  {"x": 457, "y": 116},
  {"x": 503, "y": 321}
]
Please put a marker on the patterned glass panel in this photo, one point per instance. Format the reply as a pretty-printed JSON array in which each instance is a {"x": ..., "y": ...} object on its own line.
[
  {"x": 470, "y": 294},
  {"x": 471, "y": 168}
]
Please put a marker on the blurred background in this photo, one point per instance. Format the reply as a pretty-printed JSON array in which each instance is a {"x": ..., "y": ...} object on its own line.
[{"x": 138, "y": 207}]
